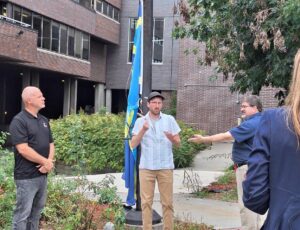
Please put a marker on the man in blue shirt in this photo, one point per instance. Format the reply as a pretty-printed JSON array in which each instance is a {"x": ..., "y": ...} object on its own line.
[
  {"x": 242, "y": 136},
  {"x": 156, "y": 132}
]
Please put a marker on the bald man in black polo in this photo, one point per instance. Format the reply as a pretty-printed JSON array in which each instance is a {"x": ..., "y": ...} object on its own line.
[{"x": 34, "y": 154}]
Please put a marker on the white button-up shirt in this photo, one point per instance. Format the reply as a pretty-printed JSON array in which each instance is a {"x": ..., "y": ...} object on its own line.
[{"x": 156, "y": 148}]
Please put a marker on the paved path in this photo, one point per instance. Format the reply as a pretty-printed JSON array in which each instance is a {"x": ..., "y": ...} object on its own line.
[
  {"x": 207, "y": 167},
  {"x": 215, "y": 158},
  {"x": 208, "y": 164}
]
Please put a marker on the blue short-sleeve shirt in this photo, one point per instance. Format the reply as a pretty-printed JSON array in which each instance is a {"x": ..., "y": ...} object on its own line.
[{"x": 243, "y": 136}]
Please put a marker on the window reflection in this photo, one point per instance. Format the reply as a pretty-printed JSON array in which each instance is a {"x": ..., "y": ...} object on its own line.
[
  {"x": 53, "y": 35},
  {"x": 3, "y": 9},
  {"x": 17, "y": 13},
  {"x": 71, "y": 41},
  {"x": 85, "y": 46},
  {"x": 37, "y": 25},
  {"x": 26, "y": 16},
  {"x": 46, "y": 34},
  {"x": 158, "y": 40},
  {"x": 63, "y": 39},
  {"x": 78, "y": 42},
  {"x": 107, "y": 9}
]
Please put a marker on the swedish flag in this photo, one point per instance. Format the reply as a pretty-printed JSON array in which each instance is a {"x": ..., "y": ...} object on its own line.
[{"x": 132, "y": 108}]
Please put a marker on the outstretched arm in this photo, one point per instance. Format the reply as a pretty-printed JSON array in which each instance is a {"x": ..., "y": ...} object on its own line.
[{"x": 213, "y": 138}]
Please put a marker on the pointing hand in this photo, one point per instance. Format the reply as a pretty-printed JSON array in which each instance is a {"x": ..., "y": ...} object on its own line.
[{"x": 197, "y": 138}]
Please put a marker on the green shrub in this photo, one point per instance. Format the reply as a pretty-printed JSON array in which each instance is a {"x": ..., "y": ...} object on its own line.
[
  {"x": 107, "y": 194},
  {"x": 7, "y": 185},
  {"x": 7, "y": 188},
  {"x": 184, "y": 155},
  {"x": 3, "y": 136},
  {"x": 67, "y": 206},
  {"x": 95, "y": 142}
]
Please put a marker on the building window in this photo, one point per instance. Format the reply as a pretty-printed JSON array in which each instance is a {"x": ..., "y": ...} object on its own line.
[
  {"x": 3, "y": 9},
  {"x": 85, "y": 46},
  {"x": 17, "y": 13},
  {"x": 158, "y": 40},
  {"x": 71, "y": 41},
  {"x": 110, "y": 11},
  {"x": 26, "y": 17},
  {"x": 55, "y": 37},
  {"x": 116, "y": 14},
  {"x": 132, "y": 24},
  {"x": 52, "y": 35},
  {"x": 46, "y": 34},
  {"x": 37, "y": 25},
  {"x": 104, "y": 8},
  {"x": 63, "y": 39},
  {"x": 99, "y": 6},
  {"x": 107, "y": 9},
  {"x": 78, "y": 43},
  {"x": 158, "y": 34}
]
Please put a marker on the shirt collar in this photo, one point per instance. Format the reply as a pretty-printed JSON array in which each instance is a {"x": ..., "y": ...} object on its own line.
[
  {"x": 148, "y": 116},
  {"x": 29, "y": 115},
  {"x": 253, "y": 115}
]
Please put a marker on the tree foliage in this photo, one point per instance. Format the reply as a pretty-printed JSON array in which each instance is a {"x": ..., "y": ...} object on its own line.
[{"x": 254, "y": 41}]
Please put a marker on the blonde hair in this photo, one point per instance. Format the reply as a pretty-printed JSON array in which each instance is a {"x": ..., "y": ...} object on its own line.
[{"x": 293, "y": 99}]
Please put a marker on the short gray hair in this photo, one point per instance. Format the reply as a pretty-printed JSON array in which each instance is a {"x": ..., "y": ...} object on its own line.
[{"x": 253, "y": 100}]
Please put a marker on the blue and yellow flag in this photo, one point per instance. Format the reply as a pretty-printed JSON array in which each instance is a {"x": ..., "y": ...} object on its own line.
[{"x": 132, "y": 108}]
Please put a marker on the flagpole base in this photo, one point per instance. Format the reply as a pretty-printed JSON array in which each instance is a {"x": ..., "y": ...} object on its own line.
[{"x": 134, "y": 217}]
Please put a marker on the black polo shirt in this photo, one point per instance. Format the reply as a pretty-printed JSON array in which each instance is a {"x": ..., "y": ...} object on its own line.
[{"x": 25, "y": 128}]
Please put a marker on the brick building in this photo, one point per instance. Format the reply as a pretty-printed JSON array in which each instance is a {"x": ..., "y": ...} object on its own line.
[
  {"x": 204, "y": 101},
  {"x": 165, "y": 52},
  {"x": 79, "y": 53},
  {"x": 60, "y": 46}
]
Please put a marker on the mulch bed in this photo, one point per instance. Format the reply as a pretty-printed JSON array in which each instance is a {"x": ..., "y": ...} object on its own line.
[{"x": 217, "y": 188}]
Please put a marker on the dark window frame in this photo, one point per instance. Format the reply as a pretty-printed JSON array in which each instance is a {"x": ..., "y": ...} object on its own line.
[
  {"x": 55, "y": 47},
  {"x": 65, "y": 43},
  {"x": 44, "y": 41},
  {"x": 132, "y": 23},
  {"x": 34, "y": 16}
]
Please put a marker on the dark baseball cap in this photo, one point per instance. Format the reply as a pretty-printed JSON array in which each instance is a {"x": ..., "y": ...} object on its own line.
[{"x": 155, "y": 94}]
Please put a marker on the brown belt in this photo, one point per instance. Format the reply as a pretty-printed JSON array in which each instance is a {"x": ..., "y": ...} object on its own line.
[{"x": 237, "y": 165}]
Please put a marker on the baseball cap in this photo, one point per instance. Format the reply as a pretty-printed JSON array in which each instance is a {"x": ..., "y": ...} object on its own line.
[{"x": 155, "y": 94}]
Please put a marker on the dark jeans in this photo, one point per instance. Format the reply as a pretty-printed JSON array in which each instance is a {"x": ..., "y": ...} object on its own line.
[{"x": 31, "y": 199}]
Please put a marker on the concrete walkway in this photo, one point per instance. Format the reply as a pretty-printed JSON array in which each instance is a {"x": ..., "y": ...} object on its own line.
[{"x": 207, "y": 167}]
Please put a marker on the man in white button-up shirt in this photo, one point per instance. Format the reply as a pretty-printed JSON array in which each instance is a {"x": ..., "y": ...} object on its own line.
[{"x": 156, "y": 132}]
